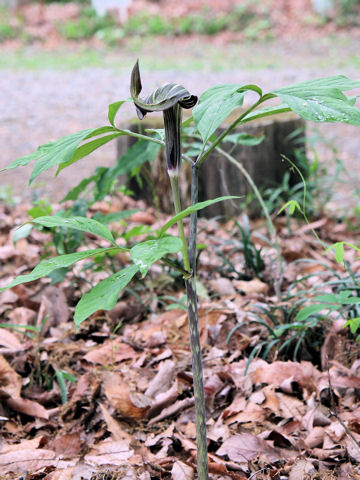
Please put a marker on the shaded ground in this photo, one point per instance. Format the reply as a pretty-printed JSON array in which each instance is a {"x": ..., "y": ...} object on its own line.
[{"x": 121, "y": 403}]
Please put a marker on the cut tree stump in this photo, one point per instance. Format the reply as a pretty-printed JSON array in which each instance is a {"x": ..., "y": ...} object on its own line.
[{"x": 283, "y": 134}]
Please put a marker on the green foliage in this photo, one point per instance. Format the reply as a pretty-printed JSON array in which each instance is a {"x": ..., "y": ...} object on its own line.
[
  {"x": 146, "y": 253},
  {"x": 252, "y": 255},
  {"x": 104, "y": 295},
  {"x": 240, "y": 18},
  {"x": 86, "y": 26}
]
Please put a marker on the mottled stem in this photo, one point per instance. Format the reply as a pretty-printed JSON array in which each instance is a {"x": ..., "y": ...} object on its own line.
[
  {"x": 174, "y": 180},
  {"x": 198, "y": 379}
]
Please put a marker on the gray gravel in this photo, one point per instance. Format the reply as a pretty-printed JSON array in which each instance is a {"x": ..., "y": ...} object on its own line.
[{"x": 40, "y": 106}]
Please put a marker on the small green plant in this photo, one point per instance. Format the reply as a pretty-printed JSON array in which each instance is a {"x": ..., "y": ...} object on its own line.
[
  {"x": 86, "y": 25},
  {"x": 320, "y": 100},
  {"x": 7, "y": 30}
]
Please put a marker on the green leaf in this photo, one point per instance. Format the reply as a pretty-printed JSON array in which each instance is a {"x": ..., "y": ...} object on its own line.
[
  {"x": 104, "y": 295},
  {"x": 265, "y": 112},
  {"x": 114, "y": 217},
  {"x": 78, "y": 223},
  {"x": 47, "y": 266},
  {"x": 322, "y": 100},
  {"x": 146, "y": 253},
  {"x": 244, "y": 139},
  {"x": 310, "y": 310},
  {"x": 74, "y": 193},
  {"x": 339, "y": 252},
  {"x": 62, "y": 150},
  {"x": 216, "y": 104},
  {"x": 113, "y": 109},
  {"x": 354, "y": 324},
  {"x": 22, "y": 232},
  {"x": 292, "y": 204},
  {"x": 88, "y": 148},
  {"x": 191, "y": 209}
]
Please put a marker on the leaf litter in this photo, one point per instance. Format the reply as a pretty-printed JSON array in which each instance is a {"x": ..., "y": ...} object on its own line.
[{"x": 125, "y": 407}]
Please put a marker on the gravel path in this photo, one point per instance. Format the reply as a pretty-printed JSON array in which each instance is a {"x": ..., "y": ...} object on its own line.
[{"x": 37, "y": 107}]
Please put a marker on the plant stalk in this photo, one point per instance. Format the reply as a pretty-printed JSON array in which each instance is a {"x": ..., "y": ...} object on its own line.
[
  {"x": 198, "y": 379},
  {"x": 174, "y": 180}
]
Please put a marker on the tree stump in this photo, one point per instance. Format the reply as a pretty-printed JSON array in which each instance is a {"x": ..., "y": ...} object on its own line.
[{"x": 283, "y": 134}]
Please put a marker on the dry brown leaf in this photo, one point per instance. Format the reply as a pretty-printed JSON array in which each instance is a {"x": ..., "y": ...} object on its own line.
[
  {"x": 10, "y": 341},
  {"x": 22, "y": 459},
  {"x": 163, "y": 400},
  {"x": 315, "y": 437},
  {"x": 222, "y": 286},
  {"x": 65, "y": 474},
  {"x": 109, "y": 453},
  {"x": 244, "y": 447},
  {"x": 301, "y": 469},
  {"x": 173, "y": 409},
  {"x": 67, "y": 446},
  {"x": 22, "y": 316},
  {"x": 29, "y": 407},
  {"x": 53, "y": 310},
  {"x": 236, "y": 406},
  {"x": 290, "y": 407},
  {"x": 10, "y": 381},
  {"x": 113, "y": 351},
  {"x": 117, "y": 432},
  {"x": 163, "y": 379},
  {"x": 353, "y": 448},
  {"x": 181, "y": 471},
  {"x": 143, "y": 218},
  {"x": 251, "y": 413},
  {"x": 129, "y": 404},
  {"x": 304, "y": 373},
  {"x": 254, "y": 286}
]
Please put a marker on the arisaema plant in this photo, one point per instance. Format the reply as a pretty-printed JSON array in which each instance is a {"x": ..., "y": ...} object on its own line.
[{"x": 319, "y": 100}]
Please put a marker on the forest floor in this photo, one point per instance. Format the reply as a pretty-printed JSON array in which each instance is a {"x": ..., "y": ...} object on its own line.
[{"x": 114, "y": 399}]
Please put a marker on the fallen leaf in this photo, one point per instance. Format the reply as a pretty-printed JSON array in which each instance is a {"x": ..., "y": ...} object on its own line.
[
  {"x": 244, "y": 447},
  {"x": 67, "y": 446},
  {"x": 163, "y": 400},
  {"x": 304, "y": 373},
  {"x": 113, "y": 351},
  {"x": 251, "y": 286},
  {"x": 301, "y": 469},
  {"x": 22, "y": 459},
  {"x": 109, "y": 453},
  {"x": 222, "y": 286},
  {"x": 181, "y": 471},
  {"x": 163, "y": 379},
  {"x": 143, "y": 218},
  {"x": 114, "y": 427},
  {"x": 129, "y": 404},
  {"x": 10, "y": 341},
  {"x": 315, "y": 437},
  {"x": 66, "y": 474},
  {"x": 173, "y": 409}
]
